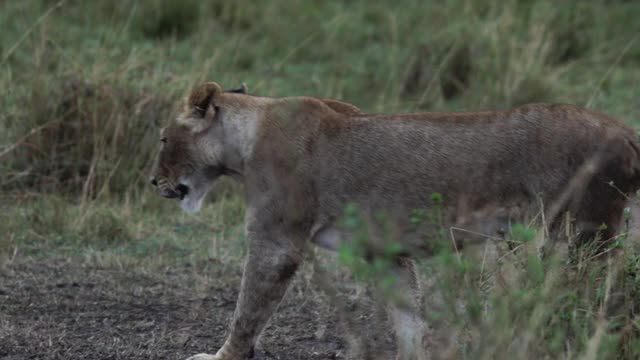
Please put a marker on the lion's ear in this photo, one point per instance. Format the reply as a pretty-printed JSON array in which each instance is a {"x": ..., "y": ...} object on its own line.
[
  {"x": 243, "y": 89},
  {"x": 203, "y": 96}
]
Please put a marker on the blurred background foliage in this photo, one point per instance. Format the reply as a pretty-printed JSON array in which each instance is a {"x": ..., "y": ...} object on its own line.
[{"x": 86, "y": 85}]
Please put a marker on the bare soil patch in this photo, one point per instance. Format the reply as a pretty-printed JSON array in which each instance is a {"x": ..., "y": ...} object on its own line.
[{"x": 63, "y": 310}]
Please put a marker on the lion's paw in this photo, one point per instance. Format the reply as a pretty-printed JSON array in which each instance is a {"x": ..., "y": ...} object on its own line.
[
  {"x": 221, "y": 355},
  {"x": 204, "y": 357}
]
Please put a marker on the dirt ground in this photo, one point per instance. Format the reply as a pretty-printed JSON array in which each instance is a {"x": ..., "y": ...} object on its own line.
[{"x": 62, "y": 310}]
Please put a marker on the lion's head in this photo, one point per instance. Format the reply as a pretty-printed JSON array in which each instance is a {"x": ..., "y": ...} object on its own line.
[{"x": 190, "y": 157}]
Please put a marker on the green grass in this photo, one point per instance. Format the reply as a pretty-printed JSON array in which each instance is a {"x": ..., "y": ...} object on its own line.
[
  {"x": 493, "y": 301},
  {"x": 85, "y": 87},
  {"x": 149, "y": 232}
]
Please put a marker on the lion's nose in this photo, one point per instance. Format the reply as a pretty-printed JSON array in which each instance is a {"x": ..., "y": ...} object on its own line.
[{"x": 153, "y": 181}]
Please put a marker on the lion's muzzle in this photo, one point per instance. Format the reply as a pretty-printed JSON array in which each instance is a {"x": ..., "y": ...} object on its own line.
[
  {"x": 179, "y": 192},
  {"x": 170, "y": 192}
]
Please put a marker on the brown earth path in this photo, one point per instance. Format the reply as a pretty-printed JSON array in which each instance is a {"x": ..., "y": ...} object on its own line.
[{"x": 62, "y": 310}]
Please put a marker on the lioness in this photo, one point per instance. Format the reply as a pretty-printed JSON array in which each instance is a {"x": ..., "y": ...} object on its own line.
[{"x": 302, "y": 159}]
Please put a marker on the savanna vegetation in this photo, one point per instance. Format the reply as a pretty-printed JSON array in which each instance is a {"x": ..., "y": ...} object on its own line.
[{"x": 86, "y": 85}]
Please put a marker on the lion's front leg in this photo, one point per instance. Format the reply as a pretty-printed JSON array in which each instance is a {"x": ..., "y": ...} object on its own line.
[{"x": 269, "y": 268}]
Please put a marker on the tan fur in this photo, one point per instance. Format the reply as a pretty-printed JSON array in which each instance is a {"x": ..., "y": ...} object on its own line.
[{"x": 302, "y": 159}]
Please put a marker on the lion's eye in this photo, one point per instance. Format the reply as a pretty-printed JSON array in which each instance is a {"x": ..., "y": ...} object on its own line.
[{"x": 163, "y": 140}]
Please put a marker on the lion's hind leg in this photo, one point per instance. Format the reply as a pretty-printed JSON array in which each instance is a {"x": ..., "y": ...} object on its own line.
[{"x": 404, "y": 309}]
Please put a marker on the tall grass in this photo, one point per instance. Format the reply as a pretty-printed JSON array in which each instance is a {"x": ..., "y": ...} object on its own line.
[
  {"x": 504, "y": 299},
  {"x": 86, "y": 90}
]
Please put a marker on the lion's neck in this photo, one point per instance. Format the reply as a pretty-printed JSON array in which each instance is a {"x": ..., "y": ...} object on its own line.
[{"x": 240, "y": 131}]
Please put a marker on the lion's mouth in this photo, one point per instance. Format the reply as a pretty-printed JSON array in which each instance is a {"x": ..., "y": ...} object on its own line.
[
  {"x": 179, "y": 192},
  {"x": 183, "y": 190}
]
